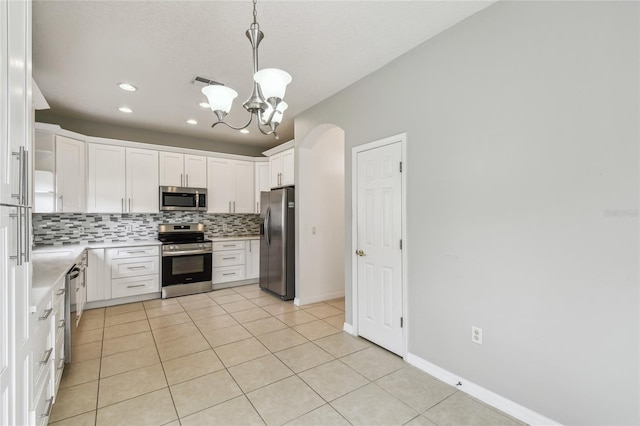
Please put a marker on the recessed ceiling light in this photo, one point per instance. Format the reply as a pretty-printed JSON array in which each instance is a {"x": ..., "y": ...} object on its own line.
[
  {"x": 128, "y": 87},
  {"x": 192, "y": 121},
  {"x": 244, "y": 131},
  {"x": 204, "y": 105},
  {"x": 125, "y": 109}
]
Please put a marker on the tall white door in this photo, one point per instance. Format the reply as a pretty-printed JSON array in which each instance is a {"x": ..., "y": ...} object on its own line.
[
  {"x": 243, "y": 187},
  {"x": 172, "y": 169},
  {"x": 107, "y": 183},
  {"x": 219, "y": 186},
  {"x": 262, "y": 182},
  {"x": 379, "y": 255},
  {"x": 195, "y": 170}
]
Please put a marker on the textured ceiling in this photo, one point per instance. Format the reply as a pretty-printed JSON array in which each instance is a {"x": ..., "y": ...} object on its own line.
[{"x": 82, "y": 49}]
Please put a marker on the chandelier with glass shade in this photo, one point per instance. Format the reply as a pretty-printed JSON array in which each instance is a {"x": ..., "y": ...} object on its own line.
[{"x": 266, "y": 103}]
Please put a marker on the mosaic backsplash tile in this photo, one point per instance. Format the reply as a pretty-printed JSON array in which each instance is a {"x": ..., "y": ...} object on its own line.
[{"x": 74, "y": 228}]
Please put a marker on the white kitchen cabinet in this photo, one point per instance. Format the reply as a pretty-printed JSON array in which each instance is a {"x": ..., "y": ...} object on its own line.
[
  {"x": 183, "y": 170},
  {"x": 107, "y": 179},
  {"x": 142, "y": 181},
  {"x": 70, "y": 175},
  {"x": 122, "y": 180},
  {"x": 282, "y": 168},
  {"x": 262, "y": 181},
  {"x": 230, "y": 187},
  {"x": 95, "y": 276},
  {"x": 252, "y": 256},
  {"x": 133, "y": 271}
]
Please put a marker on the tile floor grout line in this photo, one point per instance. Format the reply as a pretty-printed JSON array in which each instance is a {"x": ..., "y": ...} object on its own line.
[{"x": 166, "y": 379}]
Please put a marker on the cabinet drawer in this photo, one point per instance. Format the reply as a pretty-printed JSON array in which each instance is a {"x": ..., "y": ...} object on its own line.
[
  {"x": 228, "y": 258},
  {"x": 123, "y": 287},
  {"x": 228, "y": 245},
  {"x": 41, "y": 316},
  {"x": 122, "y": 268},
  {"x": 42, "y": 354},
  {"x": 42, "y": 404},
  {"x": 228, "y": 273},
  {"x": 129, "y": 252}
]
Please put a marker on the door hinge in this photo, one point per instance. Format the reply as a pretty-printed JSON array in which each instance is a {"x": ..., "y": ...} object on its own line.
[
  {"x": 401, "y": 167},
  {"x": 401, "y": 322},
  {"x": 400, "y": 244}
]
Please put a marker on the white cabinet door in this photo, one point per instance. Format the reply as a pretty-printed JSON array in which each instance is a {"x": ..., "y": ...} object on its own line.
[
  {"x": 195, "y": 170},
  {"x": 94, "y": 276},
  {"x": 275, "y": 167},
  {"x": 243, "y": 187},
  {"x": 142, "y": 181},
  {"x": 219, "y": 186},
  {"x": 70, "y": 175},
  {"x": 262, "y": 182},
  {"x": 107, "y": 182},
  {"x": 171, "y": 169},
  {"x": 286, "y": 179},
  {"x": 253, "y": 259}
]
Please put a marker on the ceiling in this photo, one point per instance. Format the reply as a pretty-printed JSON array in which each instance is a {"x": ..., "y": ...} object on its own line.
[{"x": 82, "y": 49}]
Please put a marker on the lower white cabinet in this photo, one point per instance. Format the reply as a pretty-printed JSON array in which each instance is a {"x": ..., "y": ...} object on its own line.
[
  {"x": 95, "y": 276},
  {"x": 133, "y": 286},
  {"x": 133, "y": 271},
  {"x": 253, "y": 259},
  {"x": 235, "y": 261}
]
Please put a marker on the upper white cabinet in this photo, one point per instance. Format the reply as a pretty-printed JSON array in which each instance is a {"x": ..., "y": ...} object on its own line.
[
  {"x": 142, "y": 181},
  {"x": 282, "y": 168},
  {"x": 230, "y": 186},
  {"x": 107, "y": 184},
  {"x": 59, "y": 174},
  {"x": 122, "y": 180},
  {"x": 70, "y": 175},
  {"x": 262, "y": 182},
  {"x": 183, "y": 170}
]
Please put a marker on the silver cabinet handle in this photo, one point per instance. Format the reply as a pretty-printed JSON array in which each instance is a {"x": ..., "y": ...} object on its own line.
[
  {"x": 61, "y": 324},
  {"x": 137, "y": 251},
  {"x": 25, "y": 186},
  {"x": 187, "y": 179},
  {"x": 61, "y": 292},
  {"x": 61, "y": 209},
  {"x": 137, "y": 285},
  {"x": 230, "y": 207},
  {"x": 228, "y": 258},
  {"x": 19, "y": 194},
  {"x": 136, "y": 267},
  {"x": 27, "y": 241},
  {"x": 46, "y": 314},
  {"x": 181, "y": 180},
  {"x": 46, "y": 356},
  {"x": 18, "y": 256},
  {"x": 47, "y": 412},
  {"x": 230, "y": 273},
  {"x": 122, "y": 202},
  {"x": 234, "y": 206},
  {"x": 129, "y": 205},
  {"x": 61, "y": 365},
  {"x": 257, "y": 207},
  {"x": 228, "y": 245}
]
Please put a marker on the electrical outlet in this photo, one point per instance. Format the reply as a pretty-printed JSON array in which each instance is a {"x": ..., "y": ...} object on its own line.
[
  {"x": 81, "y": 230},
  {"x": 476, "y": 335},
  {"x": 128, "y": 228}
]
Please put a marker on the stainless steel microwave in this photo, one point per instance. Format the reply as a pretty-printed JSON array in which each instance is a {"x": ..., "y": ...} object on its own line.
[{"x": 180, "y": 198}]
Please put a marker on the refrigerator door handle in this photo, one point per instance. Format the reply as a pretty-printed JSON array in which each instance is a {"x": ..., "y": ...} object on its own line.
[{"x": 267, "y": 226}]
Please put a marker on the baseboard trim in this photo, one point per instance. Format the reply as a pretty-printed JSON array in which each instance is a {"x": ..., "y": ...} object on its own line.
[
  {"x": 501, "y": 403},
  {"x": 348, "y": 328},
  {"x": 316, "y": 299}
]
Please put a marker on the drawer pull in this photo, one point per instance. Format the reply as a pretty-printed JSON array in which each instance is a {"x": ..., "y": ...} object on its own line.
[
  {"x": 61, "y": 366},
  {"x": 228, "y": 245},
  {"x": 136, "y": 267},
  {"x": 138, "y": 285},
  {"x": 228, "y": 258},
  {"x": 61, "y": 323},
  {"x": 46, "y": 314},
  {"x": 137, "y": 251},
  {"x": 60, "y": 292},
  {"x": 47, "y": 412},
  {"x": 47, "y": 356},
  {"x": 230, "y": 273}
]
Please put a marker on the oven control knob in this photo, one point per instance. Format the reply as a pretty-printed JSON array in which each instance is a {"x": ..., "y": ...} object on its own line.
[
  {"x": 172, "y": 247},
  {"x": 201, "y": 245}
]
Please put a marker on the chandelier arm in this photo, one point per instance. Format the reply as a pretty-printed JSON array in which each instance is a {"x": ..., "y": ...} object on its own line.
[
  {"x": 234, "y": 128},
  {"x": 262, "y": 131}
]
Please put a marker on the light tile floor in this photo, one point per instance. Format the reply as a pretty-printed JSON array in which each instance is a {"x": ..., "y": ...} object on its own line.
[{"x": 242, "y": 357}]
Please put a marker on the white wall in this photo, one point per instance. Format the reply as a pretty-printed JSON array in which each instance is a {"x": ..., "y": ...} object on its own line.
[
  {"x": 320, "y": 205},
  {"x": 522, "y": 188}
]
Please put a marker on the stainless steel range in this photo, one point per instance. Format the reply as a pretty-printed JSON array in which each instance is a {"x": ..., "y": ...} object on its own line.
[{"x": 186, "y": 259}]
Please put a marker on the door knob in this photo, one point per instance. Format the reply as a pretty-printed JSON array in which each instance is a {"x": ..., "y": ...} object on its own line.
[{"x": 360, "y": 253}]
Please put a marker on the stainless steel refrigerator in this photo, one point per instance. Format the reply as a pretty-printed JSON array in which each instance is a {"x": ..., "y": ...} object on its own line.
[{"x": 277, "y": 246}]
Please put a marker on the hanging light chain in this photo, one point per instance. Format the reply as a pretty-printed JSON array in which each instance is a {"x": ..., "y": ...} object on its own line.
[{"x": 255, "y": 16}]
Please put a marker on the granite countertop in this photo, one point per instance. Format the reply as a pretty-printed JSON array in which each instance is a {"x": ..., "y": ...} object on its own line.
[{"x": 51, "y": 263}]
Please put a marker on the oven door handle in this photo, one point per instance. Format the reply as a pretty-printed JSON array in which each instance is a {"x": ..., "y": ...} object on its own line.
[{"x": 185, "y": 252}]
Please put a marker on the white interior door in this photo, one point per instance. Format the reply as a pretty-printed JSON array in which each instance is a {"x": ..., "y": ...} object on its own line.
[{"x": 379, "y": 254}]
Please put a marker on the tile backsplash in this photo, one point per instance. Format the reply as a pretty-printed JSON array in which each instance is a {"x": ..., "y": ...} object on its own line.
[{"x": 74, "y": 228}]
